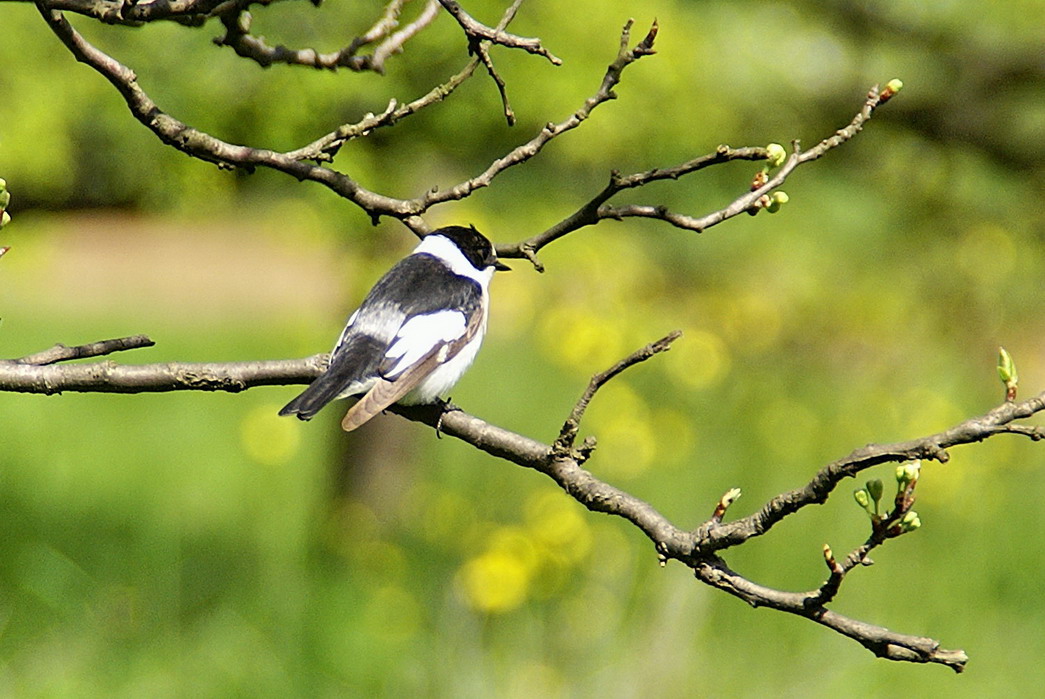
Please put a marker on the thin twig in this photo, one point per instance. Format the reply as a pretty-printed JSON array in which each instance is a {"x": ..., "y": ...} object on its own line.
[
  {"x": 478, "y": 31},
  {"x": 933, "y": 447},
  {"x": 394, "y": 43},
  {"x": 877, "y": 639},
  {"x": 63, "y": 353},
  {"x": 481, "y": 50},
  {"x": 524, "y": 152},
  {"x": 597, "y": 209},
  {"x": 568, "y": 434},
  {"x": 237, "y": 22},
  {"x": 593, "y": 211}
]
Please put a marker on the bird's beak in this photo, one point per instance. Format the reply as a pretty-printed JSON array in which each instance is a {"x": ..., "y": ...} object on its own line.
[{"x": 501, "y": 267}]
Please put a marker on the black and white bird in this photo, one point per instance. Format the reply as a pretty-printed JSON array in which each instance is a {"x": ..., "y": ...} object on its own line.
[{"x": 416, "y": 332}]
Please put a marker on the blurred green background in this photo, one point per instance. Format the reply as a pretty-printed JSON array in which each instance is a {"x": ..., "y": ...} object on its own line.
[{"x": 197, "y": 545}]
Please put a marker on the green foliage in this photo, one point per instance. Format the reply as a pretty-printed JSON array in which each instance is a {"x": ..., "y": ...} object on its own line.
[{"x": 198, "y": 545}]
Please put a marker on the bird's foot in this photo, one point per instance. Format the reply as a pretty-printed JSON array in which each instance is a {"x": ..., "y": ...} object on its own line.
[{"x": 445, "y": 406}]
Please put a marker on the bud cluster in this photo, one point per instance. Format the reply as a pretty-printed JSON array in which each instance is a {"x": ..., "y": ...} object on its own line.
[
  {"x": 902, "y": 518},
  {"x": 5, "y": 200},
  {"x": 776, "y": 156}
]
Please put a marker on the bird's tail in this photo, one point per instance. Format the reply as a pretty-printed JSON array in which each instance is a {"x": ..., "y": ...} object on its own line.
[
  {"x": 323, "y": 390},
  {"x": 354, "y": 360}
]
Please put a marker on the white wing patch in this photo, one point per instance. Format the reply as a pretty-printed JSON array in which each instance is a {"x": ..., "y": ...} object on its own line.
[{"x": 419, "y": 335}]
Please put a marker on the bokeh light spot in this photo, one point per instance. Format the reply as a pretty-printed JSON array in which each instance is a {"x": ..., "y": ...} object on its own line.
[
  {"x": 558, "y": 524},
  {"x": 699, "y": 359},
  {"x": 268, "y": 438},
  {"x": 495, "y": 581}
]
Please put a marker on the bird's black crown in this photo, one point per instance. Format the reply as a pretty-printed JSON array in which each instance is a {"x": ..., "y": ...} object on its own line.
[{"x": 473, "y": 245}]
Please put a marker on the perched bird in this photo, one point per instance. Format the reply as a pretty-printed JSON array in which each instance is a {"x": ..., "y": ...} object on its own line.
[{"x": 416, "y": 332}]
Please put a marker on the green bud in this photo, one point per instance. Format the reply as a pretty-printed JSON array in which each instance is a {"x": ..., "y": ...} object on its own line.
[
  {"x": 863, "y": 499},
  {"x": 1007, "y": 373},
  {"x": 5, "y": 199},
  {"x": 875, "y": 488},
  {"x": 778, "y": 200},
  {"x": 890, "y": 90},
  {"x": 910, "y": 521},
  {"x": 906, "y": 473},
  {"x": 777, "y": 155},
  {"x": 1006, "y": 367}
]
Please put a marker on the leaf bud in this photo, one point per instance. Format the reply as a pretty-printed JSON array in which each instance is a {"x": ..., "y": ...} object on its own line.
[
  {"x": 890, "y": 90},
  {"x": 776, "y": 155},
  {"x": 1007, "y": 373},
  {"x": 875, "y": 489},
  {"x": 906, "y": 473},
  {"x": 863, "y": 499},
  {"x": 778, "y": 200},
  {"x": 910, "y": 521}
]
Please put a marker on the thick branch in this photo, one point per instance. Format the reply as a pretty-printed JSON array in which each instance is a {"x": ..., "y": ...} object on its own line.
[
  {"x": 696, "y": 549},
  {"x": 130, "y": 12},
  {"x": 108, "y": 377}
]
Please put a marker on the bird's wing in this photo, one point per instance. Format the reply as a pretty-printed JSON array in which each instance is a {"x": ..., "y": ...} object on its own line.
[{"x": 423, "y": 344}]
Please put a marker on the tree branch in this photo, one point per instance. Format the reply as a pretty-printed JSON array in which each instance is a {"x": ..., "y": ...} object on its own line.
[
  {"x": 477, "y": 31},
  {"x": 39, "y": 373},
  {"x": 62, "y": 353},
  {"x": 206, "y": 147},
  {"x": 326, "y": 147},
  {"x": 933, "y": 447},
  {"x": 209, "y": 148},
  {"x": 597, "y": 209},
  {"x": 137, "y": 13},
  {"x": 522, "y": 153},
  {"x": 877, "y": 639},
  {"x": 698, "y": 549},
  {"x": 568, "y": 434},
  {"x": 237, "y": 22}
]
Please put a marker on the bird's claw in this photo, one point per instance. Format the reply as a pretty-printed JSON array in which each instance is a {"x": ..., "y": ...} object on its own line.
[{"x": 445, "y": 406}]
